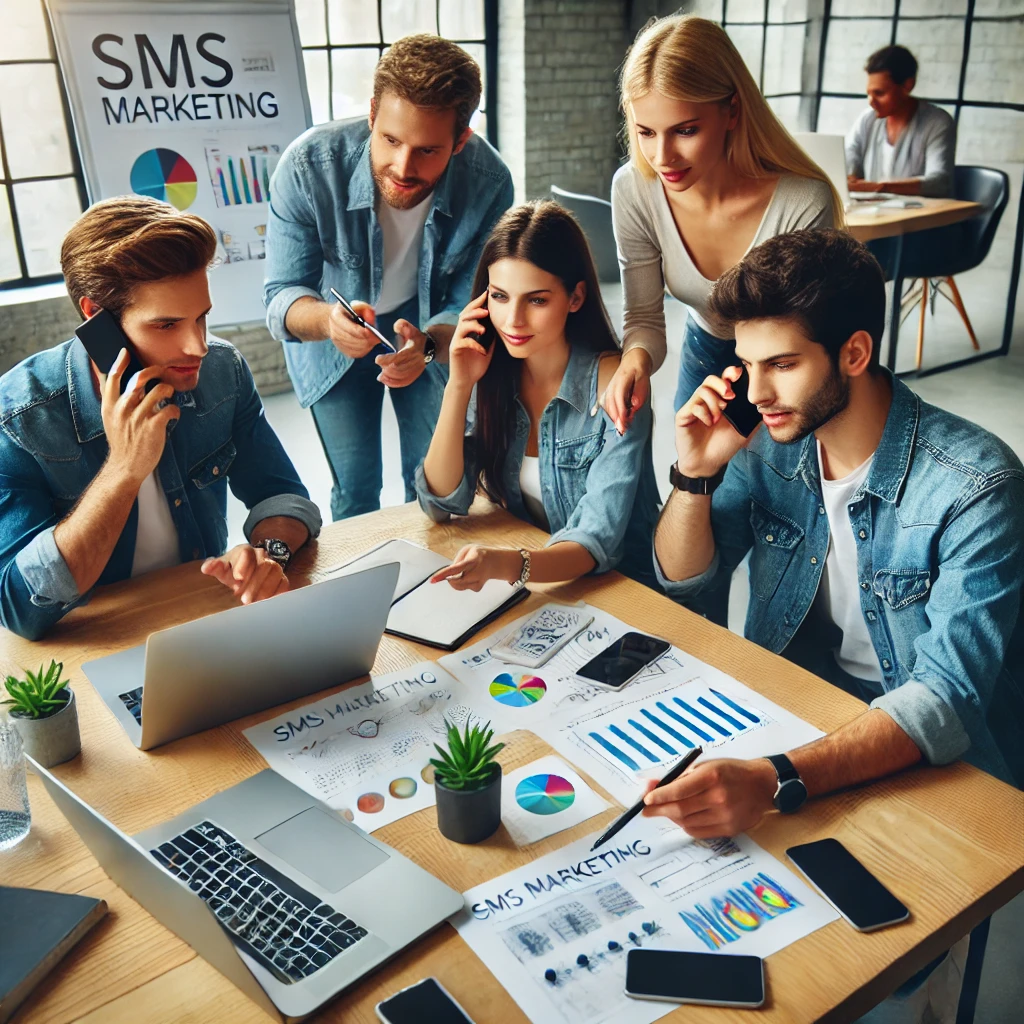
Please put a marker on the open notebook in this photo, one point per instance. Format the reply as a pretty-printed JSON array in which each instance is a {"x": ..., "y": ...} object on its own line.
[{"x": 435, "y": 614}]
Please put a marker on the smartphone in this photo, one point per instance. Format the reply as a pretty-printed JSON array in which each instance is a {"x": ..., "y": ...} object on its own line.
[
  {"x": 103, "y": 340},
  {"x": 623, "y": 660},
  {"x": 740, "y": 412},
  {"x": 848, "y": 885},
  {"x": 357, "y": 319},
  {"x": 427, "y": 1000},
  {"x": 715, "y": 979}
]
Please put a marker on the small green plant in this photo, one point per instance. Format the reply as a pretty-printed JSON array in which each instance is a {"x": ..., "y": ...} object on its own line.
[
  {"x": 38, "y": 695},
  {"x": 466, "y": 764}
]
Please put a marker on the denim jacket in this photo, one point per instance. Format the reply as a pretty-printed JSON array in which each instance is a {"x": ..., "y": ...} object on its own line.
[
  {"x": 598, "y": 489},
  {"x": 939, "y": 524},
  {"x": 323, "y": 232},
  {"x": 52, "y": 445}
]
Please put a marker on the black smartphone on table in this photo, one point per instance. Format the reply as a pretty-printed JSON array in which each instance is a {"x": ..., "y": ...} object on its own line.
[
  {"x": 740, "y": 412},
  {"x": 860, "y": 897},
  {"x": 623, "y": 660},
  {"x": 425, "y": 1001},
  {"x": 103, "y": 339},
  {"x": 714, "y": 979}
]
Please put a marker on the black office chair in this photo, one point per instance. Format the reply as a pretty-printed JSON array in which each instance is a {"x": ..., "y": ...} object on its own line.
[
  {"x": 595, "y": 217},
  {"x": 936, "y": 255}
]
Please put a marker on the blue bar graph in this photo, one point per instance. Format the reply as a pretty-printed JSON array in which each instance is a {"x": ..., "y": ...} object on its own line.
[{"x": 659, "y": 732}]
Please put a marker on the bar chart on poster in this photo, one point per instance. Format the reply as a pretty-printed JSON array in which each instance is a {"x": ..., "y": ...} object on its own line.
[{"x": 192, "y": 104}]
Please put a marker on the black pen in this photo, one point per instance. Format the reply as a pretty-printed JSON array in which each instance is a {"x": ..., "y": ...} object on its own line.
[
  {"x": 621, "y": 822},
  {"x": 357, "y": 319}
]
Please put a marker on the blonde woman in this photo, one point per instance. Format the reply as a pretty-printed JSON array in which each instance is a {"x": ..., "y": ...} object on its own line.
[{"x": 712, "y": 173}]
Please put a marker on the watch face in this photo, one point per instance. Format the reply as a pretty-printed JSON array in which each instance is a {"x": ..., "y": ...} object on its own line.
[
  {"x": 790, "y": 796},
  {"x": 277, "y": 549}
]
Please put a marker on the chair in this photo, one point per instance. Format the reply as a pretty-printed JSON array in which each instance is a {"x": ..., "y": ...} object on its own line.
[
  {"x": 935, "y": 256},
  {"x": 595, "y": 217}
]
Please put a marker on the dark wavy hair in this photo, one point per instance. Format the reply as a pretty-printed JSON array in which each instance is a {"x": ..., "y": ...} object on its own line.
[{"x": 548, "y": 236}]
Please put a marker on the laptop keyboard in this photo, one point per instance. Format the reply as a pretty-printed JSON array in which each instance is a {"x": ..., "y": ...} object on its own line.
[
  {"x": 132, "y": 700},
  {"x": 277, "y": 922}
]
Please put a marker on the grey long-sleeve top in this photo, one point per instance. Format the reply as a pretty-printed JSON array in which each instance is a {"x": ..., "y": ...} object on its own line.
[{"x": 924, "y": 150}]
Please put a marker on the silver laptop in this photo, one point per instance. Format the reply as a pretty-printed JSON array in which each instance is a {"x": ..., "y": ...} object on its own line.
[
  {"x": 204, "y": 673},
  {"x": 286, "y": 899},
  {"x": 829, "y": 153}
]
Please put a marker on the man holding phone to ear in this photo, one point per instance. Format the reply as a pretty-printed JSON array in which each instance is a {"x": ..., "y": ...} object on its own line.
[
  {"x": 886, "y": 542},
  {"x": 392, "y": 213},
  {"x": 103, "y": 479}
]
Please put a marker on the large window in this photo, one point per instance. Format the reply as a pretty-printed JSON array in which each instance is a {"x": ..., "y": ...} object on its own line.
[
  {"x": 342, "y": 40},
  {"x": 41, "y": 186}
]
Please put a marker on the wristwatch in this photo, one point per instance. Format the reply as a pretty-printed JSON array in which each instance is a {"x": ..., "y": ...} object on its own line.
[
  {"x": 429, "y": 347},
  {"x": 791, "y": 794},
  {"x": 277, "y": 550},
  {"x": 694, "y": 484},
  {"x": 524, "y": 575}
]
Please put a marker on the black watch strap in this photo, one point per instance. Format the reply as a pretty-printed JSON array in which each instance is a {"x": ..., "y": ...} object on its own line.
[
  {"x": 694, "y": 484},
  {"x": 783, "y": 767}
]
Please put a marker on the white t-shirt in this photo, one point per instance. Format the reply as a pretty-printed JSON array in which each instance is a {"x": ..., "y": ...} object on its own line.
[
  {"x": 529, "y": 486},
  {"x": 888, "y": 156},
  {"x": 156, "y": 542},
  {"x": 403, "y": 239},
  {"x": 839, "y": 592}
]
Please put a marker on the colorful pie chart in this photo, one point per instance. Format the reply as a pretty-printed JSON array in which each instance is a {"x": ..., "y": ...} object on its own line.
[
  {"x": 518, "y": 691},
  {"x": 166, "y": 175},
  {"x": 545, "y": 794}
]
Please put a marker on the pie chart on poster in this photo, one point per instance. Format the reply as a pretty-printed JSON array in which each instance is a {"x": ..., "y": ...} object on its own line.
[
  {"x": 166, "y": 175},
  {"x": 517, "y": 691},
  {"x": 545, "y": 794}
]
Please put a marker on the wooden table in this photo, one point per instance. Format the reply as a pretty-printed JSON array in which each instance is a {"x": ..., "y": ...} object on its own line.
[
  {"x": 885, "y": 223},
  {"x": 947, "y": 840}
]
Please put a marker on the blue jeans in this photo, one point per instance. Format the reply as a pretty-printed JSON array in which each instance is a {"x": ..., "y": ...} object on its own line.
[
  {"x": 703, "y": 354},
  {"x": 348, "y": 421}
]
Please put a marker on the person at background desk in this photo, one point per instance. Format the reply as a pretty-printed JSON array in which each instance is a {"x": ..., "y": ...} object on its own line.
[
  {"x": 521, "y": 414},
  {"x": 886, "y": 542},
  {"x": 900, "y": 144},
  {"x": 97, "y": 486},
  {"x": 392, "y": 212}
]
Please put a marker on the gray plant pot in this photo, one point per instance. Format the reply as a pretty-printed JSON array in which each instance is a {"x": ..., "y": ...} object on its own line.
[
  {"x": 52, "y": 740},
  {"x": 469, "y": 816}
]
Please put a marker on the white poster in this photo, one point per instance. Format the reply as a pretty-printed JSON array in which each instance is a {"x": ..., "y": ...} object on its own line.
[
  {"x": 193, "y": 103},
  {"x": 556, "y": 932}
]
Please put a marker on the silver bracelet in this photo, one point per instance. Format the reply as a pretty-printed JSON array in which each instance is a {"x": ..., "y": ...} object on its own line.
[{"x": 525, "y": 574}]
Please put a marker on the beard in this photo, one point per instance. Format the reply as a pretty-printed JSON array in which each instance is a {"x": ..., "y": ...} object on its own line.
[
  {"x": 400, "y": 200},
  {"x": 826, "y": 403}
]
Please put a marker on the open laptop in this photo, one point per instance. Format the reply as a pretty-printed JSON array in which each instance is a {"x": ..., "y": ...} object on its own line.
[
  {"x": 218, "y": 668},
  {"x": 286, "y": 899}
]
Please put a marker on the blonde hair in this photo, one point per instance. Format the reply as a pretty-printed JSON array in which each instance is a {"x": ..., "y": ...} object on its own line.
[
  {"x": 688, "y": 58},
  {"x": 130, "y": 240}
]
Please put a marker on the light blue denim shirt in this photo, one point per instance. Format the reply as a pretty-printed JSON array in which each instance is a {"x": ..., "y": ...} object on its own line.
[
  {"x": 52, "y": 445},
  {"x": 323, "y": 232},
  {"x": 597, "y": 488},
  {"x": 939, "y": 524}
]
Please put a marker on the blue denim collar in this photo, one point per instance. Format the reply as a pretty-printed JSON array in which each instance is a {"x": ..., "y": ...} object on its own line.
[
  {"x": 892, "y": 456},
  {"x": 362, "y": 189},
  {"x": 578, "y": 382}
]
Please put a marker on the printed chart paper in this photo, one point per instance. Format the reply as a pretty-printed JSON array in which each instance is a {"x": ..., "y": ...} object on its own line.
[
  {"x": 556, "y": 932},
  {"x": 366, "y": 750},
  {"x": 545, "y": 797}
]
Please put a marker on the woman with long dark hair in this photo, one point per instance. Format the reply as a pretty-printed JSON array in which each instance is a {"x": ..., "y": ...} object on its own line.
[{"x": 538, "y": 348}]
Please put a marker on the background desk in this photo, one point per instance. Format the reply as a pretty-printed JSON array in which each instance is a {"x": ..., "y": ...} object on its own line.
[
  {"x": 885, "y": 223},
  {"x": 948, "y": 840}
]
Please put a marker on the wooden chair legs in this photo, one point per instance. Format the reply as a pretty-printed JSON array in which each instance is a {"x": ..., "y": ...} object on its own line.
[
  {"x": 953, "y": 297},
  {"x": 959, "y": 303}
]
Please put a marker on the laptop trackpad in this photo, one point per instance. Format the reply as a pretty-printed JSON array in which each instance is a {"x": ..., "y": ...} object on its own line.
[{"x": 322, "y": 848}]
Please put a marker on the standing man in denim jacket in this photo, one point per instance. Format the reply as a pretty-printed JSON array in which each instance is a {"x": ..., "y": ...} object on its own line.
[
  {"x": 392, "y": 213},
  {"x": 98, "y": 486},
  {"x": 886, "y": 542}
]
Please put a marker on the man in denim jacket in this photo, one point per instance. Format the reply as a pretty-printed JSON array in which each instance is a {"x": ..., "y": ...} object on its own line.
[
  {"x": 392, "y": 213},
  {"x": 98, "y": 486},
  {"x": 886, "y": 542}
]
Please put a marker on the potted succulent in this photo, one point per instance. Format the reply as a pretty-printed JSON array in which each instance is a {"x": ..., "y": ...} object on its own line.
[
  {"x": 467, "y": 783},
  {"x": 42, "y": 708}
]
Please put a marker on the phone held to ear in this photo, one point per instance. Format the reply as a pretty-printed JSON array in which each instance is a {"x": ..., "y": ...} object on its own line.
[
  {"x": 103, "y": 339},
  {"x": 714, "y": 979},
  {"x": 740, "y": 412}
]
